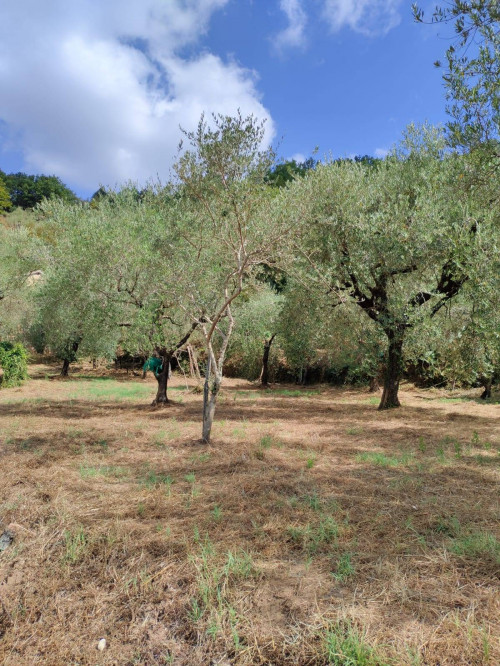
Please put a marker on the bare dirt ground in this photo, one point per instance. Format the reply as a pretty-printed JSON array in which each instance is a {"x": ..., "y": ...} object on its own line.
[{"x": 313, "y": 530}]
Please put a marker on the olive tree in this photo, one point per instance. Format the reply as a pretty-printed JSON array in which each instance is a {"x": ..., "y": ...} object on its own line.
[
  {"x": 399, "y": 240},
  {"x": 472, "y": 71},
  {"x": 122, "y": 291},
  {"x": 228, "y": 227},
  {"x": 251, "y": 350}
]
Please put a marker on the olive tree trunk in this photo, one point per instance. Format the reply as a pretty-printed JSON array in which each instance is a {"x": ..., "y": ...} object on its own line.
[
  {"x": 264, "y": 375},
  {"x": 393, "y": 371},
  {"x": 213, "y": 375},
  {"x": 162, "y": 379},
  {"x": 487, "y": 383},
  {"x": 213, "y": 380},
  {"x": 67, "y": 361}
]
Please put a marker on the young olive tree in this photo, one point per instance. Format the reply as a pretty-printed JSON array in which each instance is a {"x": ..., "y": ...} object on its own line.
[
  {"x": 257, "y": 320},
  {"x": 227, "y": 221},
  {"x": 399, "y": 240}
]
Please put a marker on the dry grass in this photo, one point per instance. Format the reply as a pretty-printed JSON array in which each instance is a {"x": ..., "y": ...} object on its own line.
[{"x": 313, "y": 530}]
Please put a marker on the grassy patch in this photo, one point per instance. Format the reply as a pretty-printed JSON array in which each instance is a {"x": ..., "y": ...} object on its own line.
[
  {"x": 345, "y": 645},
  {"x": 383, "y": 460},
  {"x": 297, "y": 393},
  {"x": 111, "y": 471},
  {"x": 151, "y": 479},
  {"x": 109, "y": 389},
  {"x": 315, "y": 537},
  {"x": 474, "y": 544},
  {"x": 75, "y": 543},
  {"x": 344, "y": 567},
  {"x": 467, "y": 542},
  {"x": 215, "y": 579}
]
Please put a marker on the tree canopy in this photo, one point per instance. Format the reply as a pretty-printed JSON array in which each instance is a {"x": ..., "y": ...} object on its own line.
[
  {"x": 26, "y": 191},
  {"x": 472, "y": 71}
]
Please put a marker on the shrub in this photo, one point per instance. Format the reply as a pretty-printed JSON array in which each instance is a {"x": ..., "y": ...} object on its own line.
[{"x": 14, "y": 362}]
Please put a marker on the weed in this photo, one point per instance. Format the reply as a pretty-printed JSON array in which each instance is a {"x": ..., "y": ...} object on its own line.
[
  {"x": 468, "y": 543},
  {"x": 213, "y": 582},
  {"x": 449, "y": 526},
  {"x": 217, "y": 512},
  {"x": 196, "y": 612},
  {"x": 310, "y": 462},
  {"x": 266, "y": 441},
  {"x": 200, "y": 457},
  {"x": 195, "y": 490},
  {"x": 355, "y": 431},
  {"x": 475, "y": 545},
  {"x": 102, "y": 444},
  {"x": 344, "y": 568},
  {"x": 239, "y": 565},
  {"x": 75, "y": 545},
  {"x": 422, "y": 446},
  {"x": 345, "y": 646},
  {"x": 313, "y": 501},
  {"x": 313, "y": 538},
  {"x": 141, "y": 509},
  {"x": 153, "y": 480},
  {"x": 212, "y": 630},
  {"x": 159, "y": 439}
]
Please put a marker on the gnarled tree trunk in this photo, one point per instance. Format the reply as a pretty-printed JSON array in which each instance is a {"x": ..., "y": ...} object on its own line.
[
  {"x": 67, "y": 361},
  {"x": 487, "y": 383},
  {"x": 162, "y": 378},
  {"x": 393, "y": 371}
]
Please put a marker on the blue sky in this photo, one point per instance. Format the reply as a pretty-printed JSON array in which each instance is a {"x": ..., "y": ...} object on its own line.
[{"x": 95, "y": 94}]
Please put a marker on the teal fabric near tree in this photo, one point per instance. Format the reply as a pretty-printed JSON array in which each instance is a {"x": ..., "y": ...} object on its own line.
[{"x": 154, "y": 364}]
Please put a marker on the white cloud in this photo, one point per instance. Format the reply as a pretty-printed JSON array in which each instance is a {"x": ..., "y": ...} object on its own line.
[
  {"x": 97, "y": 91},
  {"x": 293, "y": 35},
  {"x": 381, "y": 152},
  {"x": 300, "y": 158},
  {"x": 368, "y": 17}
]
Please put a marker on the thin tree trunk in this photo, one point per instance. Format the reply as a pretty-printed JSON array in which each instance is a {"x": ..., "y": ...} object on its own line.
[
  {"x": 264, "y": 375},
  {"x": 208, "y": 408},
  {"x": 212, "y": 386},
  {"x": 393, "y": 372},
  {"x": 194, "y": 368}
]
